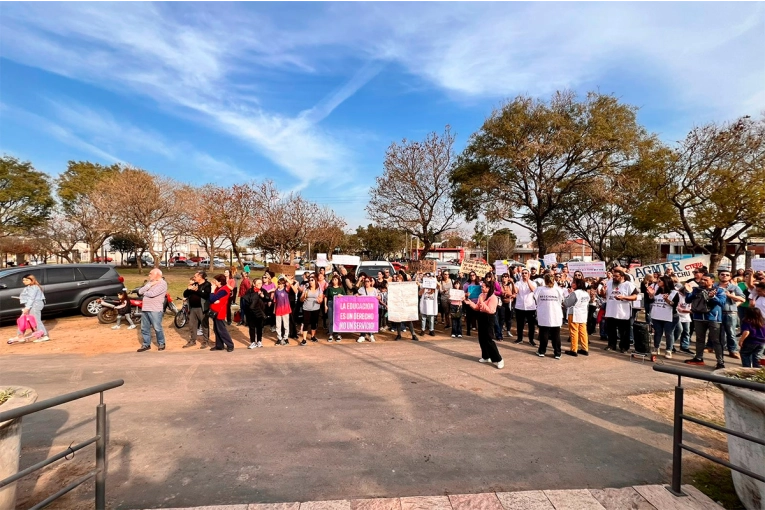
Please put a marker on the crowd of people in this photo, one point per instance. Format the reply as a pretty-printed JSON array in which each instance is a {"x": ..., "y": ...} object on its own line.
[{"x": 725, "y": 312}]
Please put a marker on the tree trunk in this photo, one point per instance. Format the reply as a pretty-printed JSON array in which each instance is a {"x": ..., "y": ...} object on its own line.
[{"x": 714, "y": 261}]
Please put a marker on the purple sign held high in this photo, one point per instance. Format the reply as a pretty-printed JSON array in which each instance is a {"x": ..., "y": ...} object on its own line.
[{"x": 355, "y": 314}]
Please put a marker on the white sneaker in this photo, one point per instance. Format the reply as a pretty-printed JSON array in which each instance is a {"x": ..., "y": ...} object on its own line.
[
  {"x": 41, "y": 339},
  {"x": 668, "y": 354},
  {"x": 199, "y": 332},
  {"x": 481, "y": 360},
  {"x": 454, "y": 336},
  {"x": 501, "y": 364},
  {"x": 131, "y": 327},
  {"x": 253, "y": 345},
  {"x": 338, "y": 338},
  {"x": 116, "y": 327},
  {"x": 459, "y": 336},
  {"x": 260, "y": 344},
  {"x": 371, "y": 338},
  {"x": 360, "y": 340}
]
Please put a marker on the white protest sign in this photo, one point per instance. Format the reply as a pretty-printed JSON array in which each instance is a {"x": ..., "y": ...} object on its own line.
[
  {"x": 532, "y": 264},
  {"x": 456, "y": 295},
  {"x": 346, "y": 260},
  {"x": 588, "y": 269},
  {"x": 428, "y": 283},
  {"x": 550, "y": 259},
  {"x": 683, "y": 269},
  {"x": 758, "y": 264},
  {"x": 500, "y": 267},
  {"x": 321, "y": 259},
  {"x": 402, "y": 302}
]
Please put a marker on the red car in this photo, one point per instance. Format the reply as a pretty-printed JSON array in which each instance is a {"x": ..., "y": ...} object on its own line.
[{"x": 102, "y": 259}]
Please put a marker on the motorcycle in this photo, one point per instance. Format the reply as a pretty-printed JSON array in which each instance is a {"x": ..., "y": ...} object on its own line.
[
  {"x": 182, "y": 316},
  {"x": 107, "y": 314}
]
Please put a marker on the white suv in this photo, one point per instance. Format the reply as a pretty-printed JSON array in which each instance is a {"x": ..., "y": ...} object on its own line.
[{"x": 371, "y": 267}]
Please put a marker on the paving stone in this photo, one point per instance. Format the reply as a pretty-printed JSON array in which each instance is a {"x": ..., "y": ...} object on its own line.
[
  {"x": 274, "y": 506},
  {"x": 580, "y": 499},
  {"x": 703, "y": 501},
  {"x": 334, "y": 504},
  {"x": 376, "y": 504},
  {"x": 662, "y": 499},
  {"x": 525, "y": 500},
  {"x": 426, "y": 503},
  {"x": 482, "y": 501},
  {"x": 621, "y": 499}
]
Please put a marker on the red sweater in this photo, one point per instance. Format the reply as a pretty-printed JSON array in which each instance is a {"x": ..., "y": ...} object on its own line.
[{"x": 221, "y": 296}]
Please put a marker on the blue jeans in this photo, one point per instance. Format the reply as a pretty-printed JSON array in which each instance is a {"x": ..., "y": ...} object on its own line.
[
  {"x": 667, "y": 328},
  {"x": 683, "y": 334},
  {"x": 751, "y": 354},
  {"x": 456, "y": 323},
  {"x": 728, "y": 331},
  {"x": 152, "y": 320}
]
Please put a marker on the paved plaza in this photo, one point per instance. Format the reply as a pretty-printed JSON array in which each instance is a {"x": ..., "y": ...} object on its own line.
[{"x": 350, "y": 421}]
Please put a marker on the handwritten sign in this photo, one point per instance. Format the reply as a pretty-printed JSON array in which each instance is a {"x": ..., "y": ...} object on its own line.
[
  {"x": 428, "y": 283},
  {"x": 532, "y": 264},
  {"x": 423, "y": 266},
  {"x": 474, "y": 266},
  {"x": 758, "y": 264},
  {"x": 595, "y": 269},
  {"x": 550, "y": 259},
  {"x": 355, "y": 314},
  {"x": 683, "y": 268},
  {"x": 456, "y": 295},
  {"x": 346, "y": 260},
  {"x": 501, "y": 267},
  {"x": 402, "y": 302},
  {"x": 285, "y": 269}
]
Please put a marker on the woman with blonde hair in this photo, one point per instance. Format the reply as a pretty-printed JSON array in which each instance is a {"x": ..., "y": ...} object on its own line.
[{"x": 33, "y": 301}]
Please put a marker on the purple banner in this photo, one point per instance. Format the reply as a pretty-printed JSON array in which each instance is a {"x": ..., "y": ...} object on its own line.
[{"x": 355, "y": 314}]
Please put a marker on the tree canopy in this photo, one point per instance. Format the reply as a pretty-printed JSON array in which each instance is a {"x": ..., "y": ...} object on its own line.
[{"x": 25, "y": 197}]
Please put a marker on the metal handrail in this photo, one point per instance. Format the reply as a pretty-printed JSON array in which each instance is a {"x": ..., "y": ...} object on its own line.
[
  {"x": 99, "y": 439},
  {"x": 677, "y": 439}
]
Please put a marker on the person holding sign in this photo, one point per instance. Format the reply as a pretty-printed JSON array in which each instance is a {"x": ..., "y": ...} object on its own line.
[
  {"x": 456, "y": 295},
  {"x": 428, "y": 308},
  {"x": 525, "y": 307},
  {"x": 334, "y": 289},
  {"x": 620, "y": 294},
  {"x": 444, "y": 286},
  {"x": 367, "y": 288},
  {"x": 485, "y": 309},
  {"x": 472, "y": 290},
  {"x": 664, "y": 314}
]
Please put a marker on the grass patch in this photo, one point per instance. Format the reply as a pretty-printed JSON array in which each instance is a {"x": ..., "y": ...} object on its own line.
[
  {"x": 177, "y": 278},
  {"x": 715, "y": 481},
  {"x": 6, "y": 394},
  {"x": 758, "y": 376}
]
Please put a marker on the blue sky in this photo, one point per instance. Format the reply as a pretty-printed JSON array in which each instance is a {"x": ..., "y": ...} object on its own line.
[{"x": 311, "y": 94}]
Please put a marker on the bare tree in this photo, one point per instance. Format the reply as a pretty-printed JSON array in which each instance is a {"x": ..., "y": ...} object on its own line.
[
  {"x": 61, "y": 235},
  {"x": 244, "y": 212},
  {"x": 201, "y": 217},
  {"x": 413, "y": 194}
]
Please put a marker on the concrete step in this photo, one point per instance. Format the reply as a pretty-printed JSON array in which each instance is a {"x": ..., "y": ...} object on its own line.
[{"x": 640, "y": 497}]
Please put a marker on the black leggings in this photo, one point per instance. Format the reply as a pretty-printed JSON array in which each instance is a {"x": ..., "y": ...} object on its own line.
[
  {"x": 310, "y": 318},
  {"x": 255, "y": 326}
]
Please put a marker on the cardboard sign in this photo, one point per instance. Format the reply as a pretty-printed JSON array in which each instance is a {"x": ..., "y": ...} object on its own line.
[
  {"x": 428, "y": 283},
  {"x": 595, "y": 269},
  {"x": 550, "y": 259},
  {"x": 501, "y": 267},
  {"x": 683, "y": 268},
  {"x": 346, "y": 260},
  {"x": 355, "y": 314},
  {"x": 285, "y": 269},
  {"x": 479, "y": 268},
  {"x": 424, "y": 266},
  {"x": 758, "y": 264},
  {"x": 403, "y": 302},
  {"x": 456, "y": 295}
]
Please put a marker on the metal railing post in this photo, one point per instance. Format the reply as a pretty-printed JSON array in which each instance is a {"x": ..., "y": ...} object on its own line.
[
  {"x": 101, "y": 455},
  {"x": 677, "y": 440}
]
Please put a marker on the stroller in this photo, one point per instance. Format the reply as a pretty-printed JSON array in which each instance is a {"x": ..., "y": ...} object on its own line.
[{"x": 27, "y": 330}]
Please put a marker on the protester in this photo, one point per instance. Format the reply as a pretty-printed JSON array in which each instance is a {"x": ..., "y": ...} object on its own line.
[
  {"x": 444, "y": 308},
  {"x": 455, "y": 309},
  {"x": 752, "y": 342},
  {"x": 683, "y": 329},
  {"x": 485, "y": 308},
  {"x": 577, "y": 303},
  {"x": 664, "y": 314},
  {"x": 334, "y": 289},
  {"x": 311, "y": 297},
  {"x": 218, "y": 306},
  {"x": 428, "y": 309},
  {"x": 231, "y": 282},
  {"x": 620, "y": 294},
  {"x": 254, "y": 307},
  {"x": 367, "y": 288},
  {"x": 706, "y": 305},
  {"x": 407, "y": 325},
  {"x": 472, "y": 288},
  {"x": 733, "y": 296},
  {"x": 270, "y": 287},
  {"x": 525, "y": 307},
  {"x": 505, "y": 310},
  {"x": 244, "y": 287},
  {"x": 197, "y": 295},
  {"x": 282, "y": 310},
  {"x": 151, "y": 310},
  {"x": 549, "y": 298}
]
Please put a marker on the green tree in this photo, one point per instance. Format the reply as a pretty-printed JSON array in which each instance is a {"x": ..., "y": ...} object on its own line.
[
  {"x": 530, "y": 156},
  {"x": 79, "y": 179},
  {"x": 710, "y": 184},
  {"x": 25, "y": 197},
  {"x": 380, "y": 243}
]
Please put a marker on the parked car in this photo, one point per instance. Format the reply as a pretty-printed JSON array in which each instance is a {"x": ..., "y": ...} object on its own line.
[
  {"x": 103, "y": 259},
  {"x": 254, "y": 265},
  {"x": 66, "y": 287},
  {"x": 216, "y": 263},
  {"x": 371, "y": 267},
  {"x": 185, "y": 263},
  {"x": 196, "y": 259},
  {"x": 145, "y": 261}
]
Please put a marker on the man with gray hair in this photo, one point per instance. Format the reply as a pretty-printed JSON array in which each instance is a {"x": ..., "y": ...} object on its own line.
[{"x": 153, "y": 303}]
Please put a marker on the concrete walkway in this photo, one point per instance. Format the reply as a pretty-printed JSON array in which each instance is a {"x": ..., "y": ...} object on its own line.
[{"x": 640, "y": 497}]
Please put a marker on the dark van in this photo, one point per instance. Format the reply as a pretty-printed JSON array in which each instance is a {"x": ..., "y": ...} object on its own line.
[{"x": 66, "y": 286}]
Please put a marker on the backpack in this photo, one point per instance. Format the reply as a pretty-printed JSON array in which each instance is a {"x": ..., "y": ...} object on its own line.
[{"x": 700, "y": 304}]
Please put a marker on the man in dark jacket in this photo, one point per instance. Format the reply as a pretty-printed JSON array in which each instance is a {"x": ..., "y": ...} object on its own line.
[
  {"x": 255, "y": 303},
  {"x": 707, "y": 303},
  {"x": 198, "y": 296}
]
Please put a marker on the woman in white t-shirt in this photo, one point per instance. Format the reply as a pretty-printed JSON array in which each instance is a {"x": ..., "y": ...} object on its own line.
[
  {"x": 549, "y": 300},
  {"x": 664, "y": 314},
  {"x": 525, "y": 307},
  {"x": 578, "y": 304}
]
